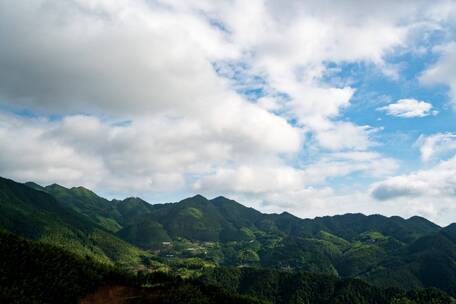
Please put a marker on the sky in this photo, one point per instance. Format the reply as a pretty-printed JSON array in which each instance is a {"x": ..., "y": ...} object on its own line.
[{"x": 311, "y": 107}]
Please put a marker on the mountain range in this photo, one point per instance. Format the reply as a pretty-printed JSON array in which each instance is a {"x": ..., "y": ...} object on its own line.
[{"x": 196, "y": 235}]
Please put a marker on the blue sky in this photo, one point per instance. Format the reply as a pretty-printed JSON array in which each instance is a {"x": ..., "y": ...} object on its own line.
[{"x": 311, "y": 107}]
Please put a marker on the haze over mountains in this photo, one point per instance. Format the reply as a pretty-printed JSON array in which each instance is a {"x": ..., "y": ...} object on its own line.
[{"x": 197, "y": 234}]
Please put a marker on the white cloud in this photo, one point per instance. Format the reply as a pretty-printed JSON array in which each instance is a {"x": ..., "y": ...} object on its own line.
[
  {"x": 28, "y": 154},
  {"x": 136, "y": 59},
  {"x": 156, "y": 154},
  {"x": 164, "y": 52},
  {"x": 443, "y": 70},
  {"x": 162, "y": 63},
  {"x": 430, "y": 192},
  {"x": 346, "y": 163},
  {"x": 100, "y": 154},
  {"x": 300, "y": 191},
  {"x": 344, "y": 135},
  {"x": 168, "y": 70},
  {"x": 409, "y": 108},
  {"x": 436, "y": 145}
]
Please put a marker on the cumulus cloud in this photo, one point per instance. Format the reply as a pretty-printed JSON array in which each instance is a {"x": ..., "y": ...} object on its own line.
[
  {"x": 436, "y": 145},
  {"x": 443, "y": 70},
  {"x": 409, "y": 108},
  {"x": 439, "y": 180},
  {"x": 398, "y": 187},
  {"x": 149, "y": 96},
  {"x": 135, "y": 58},
  {"x": 156, "y": 154},
  {"x": 430, "y": 192},
  {"x": 280, "y": 179},
  {"x": 344, "y": 135},
  {"x": 300, "y": 191},
  {"x": 84, "y": 150},
  {"x": 164, "y": 52},
  {"x": 122, "y": 57}
]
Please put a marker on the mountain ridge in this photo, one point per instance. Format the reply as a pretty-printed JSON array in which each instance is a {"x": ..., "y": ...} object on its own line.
[
  {"x": 221, "y": 197},
  {"x": 199, "y": 233}
]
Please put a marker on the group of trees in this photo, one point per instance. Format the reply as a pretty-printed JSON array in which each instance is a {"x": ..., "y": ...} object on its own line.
[
  {"x": 34, "y": 272},
  {"x": 286, "y": 287}
]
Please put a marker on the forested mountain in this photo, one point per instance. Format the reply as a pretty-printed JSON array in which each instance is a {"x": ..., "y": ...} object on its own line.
[
  {"x": 428, "y": 261},
  {"x": 195, "y": 235},
  {"x": 36, "y": 214}
]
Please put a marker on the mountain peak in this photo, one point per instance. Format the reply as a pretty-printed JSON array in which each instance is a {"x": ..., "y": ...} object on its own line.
[
  {"x": 34, "y": 185},
  {"x": 450, "y": 231},
  {"x": 222, "y": 199},
  {"x": 199, "y": 197},
  {"x": 288, "y": 215},
  {"x": 421, "y": 219},
  {"x": 81, "y": 189},
  {"x": 83, "y": 192},
  {"x": 55, "y": 186},
  {"x": 132, "y": 198},
  {"x": 133, "y": 201}
]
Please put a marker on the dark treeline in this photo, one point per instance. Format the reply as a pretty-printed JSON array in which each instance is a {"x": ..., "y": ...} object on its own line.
[
  {"x": 282, "y": 287},
  {"x": 34, "y": 272}
]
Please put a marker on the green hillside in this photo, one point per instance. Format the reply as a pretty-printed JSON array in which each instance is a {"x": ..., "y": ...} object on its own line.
[
  {"x": 197, "y": 234},
  {"x": 37, "y": 215},
  {"x": 429, "y": 261},
  {"x": 86, "y": 202}
]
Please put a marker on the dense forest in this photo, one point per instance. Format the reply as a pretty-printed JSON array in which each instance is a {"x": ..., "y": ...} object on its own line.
[
  {"x": 85, "y": 244},
  {"x": 300, "y": 287},
  {"x": 33, "y": 272}
]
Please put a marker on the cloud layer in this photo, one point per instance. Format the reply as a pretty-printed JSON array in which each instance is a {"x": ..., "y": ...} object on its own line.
[
  {"x": 227, "y": 97},
  {"x": 442, "y": 71}
]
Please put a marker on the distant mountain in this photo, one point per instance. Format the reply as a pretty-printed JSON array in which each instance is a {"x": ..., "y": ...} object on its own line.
[
  {"x": 346, "y": 245},
  {"x": 196, "y": 233},
  {"x": 350, "y": 226},
  {"x": 224, "y": 220}
]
